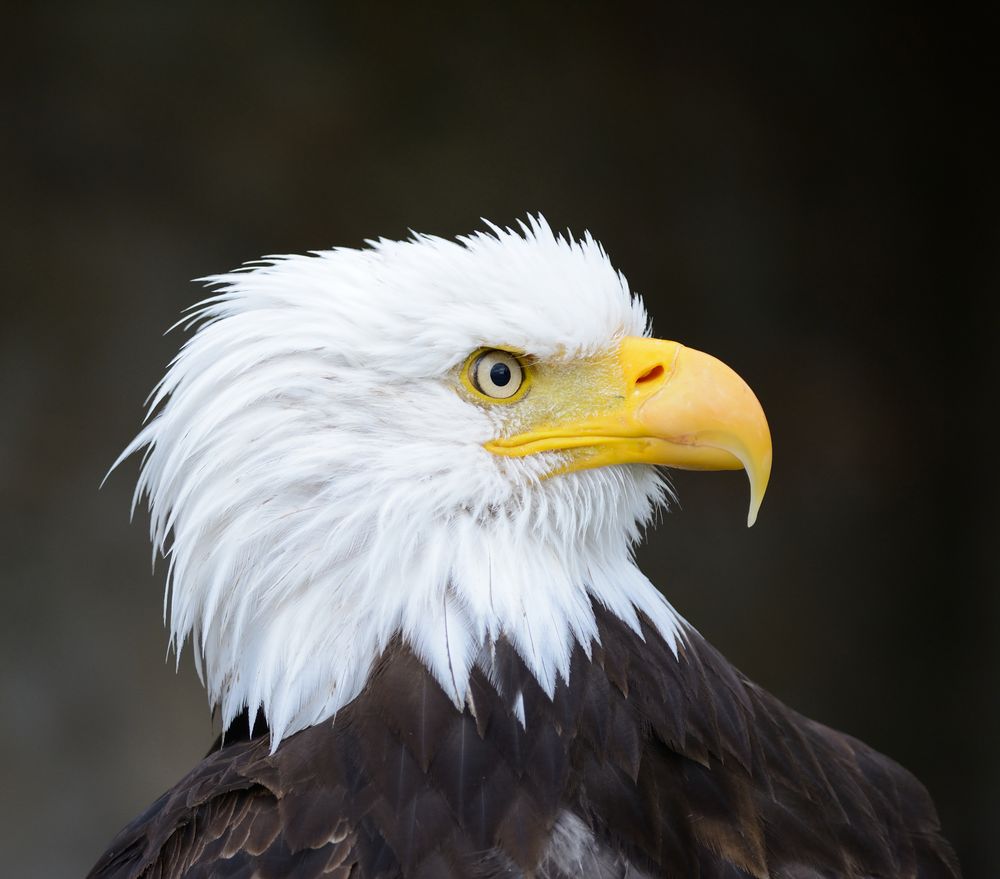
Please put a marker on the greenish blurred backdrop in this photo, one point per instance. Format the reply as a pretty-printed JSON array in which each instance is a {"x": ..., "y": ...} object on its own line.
[{"x": 806, "y": 191}]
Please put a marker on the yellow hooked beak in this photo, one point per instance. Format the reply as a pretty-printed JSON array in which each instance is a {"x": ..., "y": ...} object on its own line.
[{"x": 672, "y": 406}]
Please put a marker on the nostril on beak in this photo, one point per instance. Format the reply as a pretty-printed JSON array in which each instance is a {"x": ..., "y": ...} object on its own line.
[{"x": 650, "y": 374}]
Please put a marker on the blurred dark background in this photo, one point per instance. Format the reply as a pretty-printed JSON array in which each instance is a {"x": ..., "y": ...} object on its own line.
[{"x": 806, "y": 192}]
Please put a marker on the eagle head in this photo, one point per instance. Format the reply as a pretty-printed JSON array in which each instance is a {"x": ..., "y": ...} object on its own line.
[{"x": 448, "y": 442}]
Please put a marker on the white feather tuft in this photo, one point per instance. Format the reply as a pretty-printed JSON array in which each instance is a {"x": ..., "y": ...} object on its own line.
[{"x": 319, "y": 487}]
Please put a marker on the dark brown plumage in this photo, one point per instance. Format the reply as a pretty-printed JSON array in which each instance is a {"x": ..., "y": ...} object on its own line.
[{"x": 643, "y": 765}]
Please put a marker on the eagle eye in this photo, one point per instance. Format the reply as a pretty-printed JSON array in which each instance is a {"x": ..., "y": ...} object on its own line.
[{"x": 496, "y": 374}]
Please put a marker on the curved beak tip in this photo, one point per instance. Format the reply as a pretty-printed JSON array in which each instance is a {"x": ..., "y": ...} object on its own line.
[
  {"x": 758, "y": 478},
  {"x": 706, "y": 413}
]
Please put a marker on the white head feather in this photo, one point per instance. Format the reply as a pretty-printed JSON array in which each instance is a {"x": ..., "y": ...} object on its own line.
[{"x": 320, "y": 487}]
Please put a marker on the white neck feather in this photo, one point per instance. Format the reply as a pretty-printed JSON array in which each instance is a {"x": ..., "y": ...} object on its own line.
[{"x": 288, "y": 609}]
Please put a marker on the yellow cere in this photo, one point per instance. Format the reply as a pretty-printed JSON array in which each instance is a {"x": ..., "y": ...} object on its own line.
[{"x": 568, "y": 391}]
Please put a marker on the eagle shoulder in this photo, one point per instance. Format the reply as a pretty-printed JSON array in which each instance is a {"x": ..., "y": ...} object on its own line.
[{"x": 734, "y": 776}]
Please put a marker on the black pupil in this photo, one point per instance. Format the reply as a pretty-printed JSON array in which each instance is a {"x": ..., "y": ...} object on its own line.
[{"x": 500, "y": 374}]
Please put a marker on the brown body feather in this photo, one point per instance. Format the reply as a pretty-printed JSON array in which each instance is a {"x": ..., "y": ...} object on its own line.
[{"x": 643, "y": 765}]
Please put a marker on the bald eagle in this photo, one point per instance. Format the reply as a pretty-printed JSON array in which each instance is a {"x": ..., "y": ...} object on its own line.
[{"x": 399, "y": 489}]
